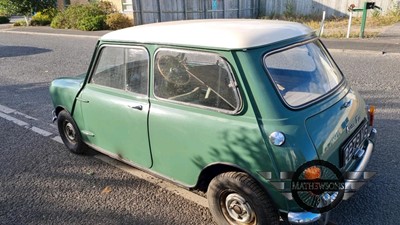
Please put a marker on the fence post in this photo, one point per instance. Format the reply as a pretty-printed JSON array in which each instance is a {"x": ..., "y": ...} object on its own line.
[
  {"x": 224, "y": 7},
  {"x": 140, "y": 11},
  {"x": 185, "y": 9},
  {"x": 159, "y": 11},
  {"x": 239, "y": 5},
  {"x": 205, "y": 9}
]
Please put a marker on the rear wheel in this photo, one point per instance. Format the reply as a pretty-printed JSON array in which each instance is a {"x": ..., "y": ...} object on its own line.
[
  {"x": 235, "y": 198},
  {"x": 70, "y": 133}
]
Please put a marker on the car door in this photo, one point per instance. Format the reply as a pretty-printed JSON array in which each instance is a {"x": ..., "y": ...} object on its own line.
[
  {"x": 115, "y": 106},
  {"x": 194, "y": 117}
]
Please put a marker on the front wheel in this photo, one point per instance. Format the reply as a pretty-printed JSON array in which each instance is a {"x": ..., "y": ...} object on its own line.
[
  {"x": 70, "y": 133},
  {"x": 236, "y": 199}
]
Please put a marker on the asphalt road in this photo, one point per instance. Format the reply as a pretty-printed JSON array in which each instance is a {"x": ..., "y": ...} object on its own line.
[{"x": 42, "y": 183}]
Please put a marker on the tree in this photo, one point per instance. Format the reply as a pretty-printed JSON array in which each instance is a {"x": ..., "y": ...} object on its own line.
[{"x": 25, "y": 7}]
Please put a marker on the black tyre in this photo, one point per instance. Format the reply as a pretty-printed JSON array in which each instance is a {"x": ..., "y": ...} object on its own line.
[
  {"x": 70, "y": 133},
  {"x": 236, "y": 199}
]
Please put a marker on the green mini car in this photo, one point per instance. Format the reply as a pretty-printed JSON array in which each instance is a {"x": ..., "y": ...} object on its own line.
[{"x": 240, "y": 109}]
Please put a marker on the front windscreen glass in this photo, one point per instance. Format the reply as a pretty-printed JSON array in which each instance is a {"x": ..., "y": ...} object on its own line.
[{"x": 302, "y": 73}]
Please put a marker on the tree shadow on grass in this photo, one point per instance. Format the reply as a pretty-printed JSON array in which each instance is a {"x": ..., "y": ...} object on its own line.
[{"x": 14, "y": 51}]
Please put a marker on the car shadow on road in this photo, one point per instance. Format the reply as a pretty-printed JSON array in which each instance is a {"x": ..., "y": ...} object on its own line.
[{"x": 14, "y": 51}]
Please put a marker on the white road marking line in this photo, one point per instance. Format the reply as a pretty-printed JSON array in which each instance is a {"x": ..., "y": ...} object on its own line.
[
  {"x": 25, "y": 125},
  {"x": 50, "y": 34},
  {"x": 157, "y": 181},
  {"x": 41, "y": 131},
  {"x": 6, "y": 110},
  {"x": 14, "y": 120},
  {"x": 24, "y": 115},
  {"x": 58, "y": 139},
  {"x": 124, "y": 167}
]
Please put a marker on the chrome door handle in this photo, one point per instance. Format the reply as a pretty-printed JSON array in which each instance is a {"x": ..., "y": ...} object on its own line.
[
  {"x": 82, "y": 100},
  {"x": 138, "y": 107}
]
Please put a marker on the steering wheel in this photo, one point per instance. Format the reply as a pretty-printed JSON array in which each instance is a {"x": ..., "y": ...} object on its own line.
[{"x": 173, "y": 69}]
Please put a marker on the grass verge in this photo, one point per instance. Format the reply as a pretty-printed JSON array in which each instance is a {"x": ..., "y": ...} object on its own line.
[{"x": 337, "y": 27}]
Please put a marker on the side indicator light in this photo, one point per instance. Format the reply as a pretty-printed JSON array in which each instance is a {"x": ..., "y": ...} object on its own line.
[{"x": 371, "y": 114}]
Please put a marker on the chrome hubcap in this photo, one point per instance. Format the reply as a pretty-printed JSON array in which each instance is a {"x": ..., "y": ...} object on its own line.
[
  {"x": 70, "y": 132},
  {"x": 238, "y": 208}
]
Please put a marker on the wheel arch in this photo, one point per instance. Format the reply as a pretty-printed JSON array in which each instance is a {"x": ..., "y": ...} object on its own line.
[
  {"x": 214, "y": 169},
  {"x": 59, "y": 108}
]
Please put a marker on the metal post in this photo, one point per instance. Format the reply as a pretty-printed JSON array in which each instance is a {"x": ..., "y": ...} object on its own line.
[
  {"x": 349, "y": 26},
  {"x": 363, "y": 20},
  {"x": 321, "y": 32}
]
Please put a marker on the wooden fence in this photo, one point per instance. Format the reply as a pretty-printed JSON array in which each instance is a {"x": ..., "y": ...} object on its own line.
[
  {"x": 335, "y": 8},
  {"x": 151, "y": 11}
]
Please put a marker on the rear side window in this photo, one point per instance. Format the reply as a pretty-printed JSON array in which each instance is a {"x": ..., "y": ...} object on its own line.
[
  {"x": 197, "y": 78},
  {"x": 122, "y": 68},
  {"x": 303, "y": 73}
]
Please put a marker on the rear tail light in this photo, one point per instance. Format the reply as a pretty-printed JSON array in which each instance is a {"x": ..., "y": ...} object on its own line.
[
  {"x": 371, "y": 114},
  {"x": 312, "y": 173}
]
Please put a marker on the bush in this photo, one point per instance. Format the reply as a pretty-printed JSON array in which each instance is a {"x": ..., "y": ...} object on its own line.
[
  {"x": 91, "y": 23},
  {"x": 82, "y": 17},
  {"x": 44, "y": 18},
  {"x": 4, "y": 13},
  {"x": 106, "y": 7},
  {"x": 4, "y": 19},
  {"x": 20, "y": 23},
  {"x": 116, "y": 21}
]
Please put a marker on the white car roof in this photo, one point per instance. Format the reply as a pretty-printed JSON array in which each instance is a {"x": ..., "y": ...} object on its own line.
[{"x": 211, "y": 33}]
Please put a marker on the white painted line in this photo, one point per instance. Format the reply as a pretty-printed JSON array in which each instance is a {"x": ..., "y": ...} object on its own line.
[
  {"x": 58, "y": 139},
  {"x": 370, "y": 52},
  {"x": 40, "y": 131},
  {"x": 157, "y": 181},
  {"x": 51, "y": 34},
  {"x": 20, "y": 122},
  {"x": 14, "y": 120},
  {"x": 6, "y": 110},
  {"x": 24, "y": 115}
]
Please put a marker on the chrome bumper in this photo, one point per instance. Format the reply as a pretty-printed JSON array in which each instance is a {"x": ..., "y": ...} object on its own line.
[
  {"x": 360, "y": 169},
  {"x": 53, "y": 113},
  {"x": 303, "y": 217}
]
